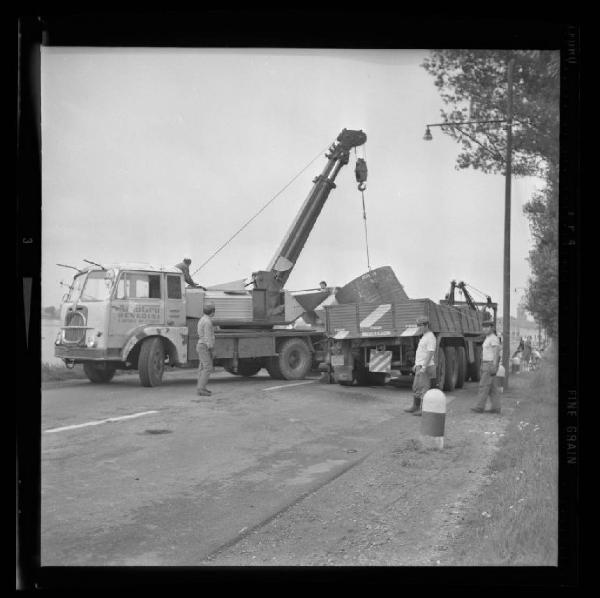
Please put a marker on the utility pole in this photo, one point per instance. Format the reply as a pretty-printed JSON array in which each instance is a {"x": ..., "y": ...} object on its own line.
[{"x": 507, "y": 206}]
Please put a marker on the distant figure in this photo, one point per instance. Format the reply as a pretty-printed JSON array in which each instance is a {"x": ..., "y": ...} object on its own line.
[
  {"x": 527, "y": 353},
  {"x": 536, "y": 357},
  {"x": 490, "y": 360},
  {"x": 206, "y": 342},
  {"x": 515, "y": 362},
  {"x": 185, "y": 268}
]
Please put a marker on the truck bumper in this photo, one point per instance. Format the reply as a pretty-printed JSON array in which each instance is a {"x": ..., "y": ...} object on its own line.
[{"x": 79, "y": 354}]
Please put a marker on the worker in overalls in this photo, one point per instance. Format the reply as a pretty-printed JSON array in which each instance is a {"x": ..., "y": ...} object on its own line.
[
  {"x": 490, "y": 360},
  {"x": 205, "y": 345},
  {"x": 424, "y": 367}
]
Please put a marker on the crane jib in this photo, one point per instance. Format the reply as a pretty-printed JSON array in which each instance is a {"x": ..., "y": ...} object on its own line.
[{"x": 297, "y": 235}]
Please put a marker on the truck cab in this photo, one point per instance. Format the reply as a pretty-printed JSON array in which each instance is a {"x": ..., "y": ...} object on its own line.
[{"x": 111, "y": 313}]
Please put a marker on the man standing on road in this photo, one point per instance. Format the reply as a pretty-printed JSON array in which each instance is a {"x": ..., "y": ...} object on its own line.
[
  {"x": 424, "y": 367},
  {"x": 206, "y": 342},
  {"x": 490, "y": 361}
]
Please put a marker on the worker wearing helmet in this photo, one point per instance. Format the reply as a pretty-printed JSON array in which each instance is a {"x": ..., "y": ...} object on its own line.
[
  {"x": 490, "y": 360},
  {"x": 185, "y": 268},
  {"x": 205, "y": 345},
  {"x": 424, "y": 367}
]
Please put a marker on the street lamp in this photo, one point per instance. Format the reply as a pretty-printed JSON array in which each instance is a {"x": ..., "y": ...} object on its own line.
[{"x": 507, "y": 201}]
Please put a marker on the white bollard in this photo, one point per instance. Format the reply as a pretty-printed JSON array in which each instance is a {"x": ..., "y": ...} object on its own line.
[{"x": 433, "y": 419}]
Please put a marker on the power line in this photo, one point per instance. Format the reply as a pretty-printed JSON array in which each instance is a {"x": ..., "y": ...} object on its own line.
[{"x": 261, "y": 210}]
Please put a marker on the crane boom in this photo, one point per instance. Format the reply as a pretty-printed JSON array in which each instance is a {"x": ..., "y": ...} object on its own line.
[{"x": 282, "y": 263}]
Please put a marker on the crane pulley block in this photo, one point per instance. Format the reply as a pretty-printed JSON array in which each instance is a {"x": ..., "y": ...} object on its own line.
[{"x": 361, "y": 173}]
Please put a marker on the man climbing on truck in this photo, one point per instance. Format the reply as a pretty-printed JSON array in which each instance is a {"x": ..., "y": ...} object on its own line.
[
  {"x": 185, "y": 268},
  {"x": 424, "y": 367}
]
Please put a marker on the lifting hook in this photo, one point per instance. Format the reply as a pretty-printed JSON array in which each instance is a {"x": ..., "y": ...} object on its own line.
[{"x": 361, "y": 173}]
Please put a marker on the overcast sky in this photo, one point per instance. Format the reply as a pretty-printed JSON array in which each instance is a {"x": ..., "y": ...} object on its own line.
[{"x": 152, "y": 154}]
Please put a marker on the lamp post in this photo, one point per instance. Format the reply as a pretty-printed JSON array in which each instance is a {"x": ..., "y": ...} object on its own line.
[{"x": 508, "y": 121}]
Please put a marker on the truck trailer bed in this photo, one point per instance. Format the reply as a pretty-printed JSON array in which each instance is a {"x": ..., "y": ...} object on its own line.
[{"x": 359, "y": 320}]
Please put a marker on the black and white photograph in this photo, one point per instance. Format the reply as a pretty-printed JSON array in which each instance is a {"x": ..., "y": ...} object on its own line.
[{"x": 299, "y": 306}]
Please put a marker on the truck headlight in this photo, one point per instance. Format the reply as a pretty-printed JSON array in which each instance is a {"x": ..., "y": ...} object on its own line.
[
  {"x": 58, "y": 339},
  {"x": 91, "y": 343}
]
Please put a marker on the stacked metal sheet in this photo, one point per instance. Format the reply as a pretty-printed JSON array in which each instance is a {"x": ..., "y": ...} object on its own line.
[
  {"x": 235, "y": 307},
  {"x": 377, "y": 286}
]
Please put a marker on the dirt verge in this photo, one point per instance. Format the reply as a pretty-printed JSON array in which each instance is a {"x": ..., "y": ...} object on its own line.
[{"x": 403, "y": 505}]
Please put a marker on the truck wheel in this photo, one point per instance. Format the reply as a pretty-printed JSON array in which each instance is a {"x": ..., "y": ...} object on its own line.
[
  {"x": 295, "y": 359},
  {"x": 376, "y": 378},
  {"x": 151, "y": 362},
  {"x": 272, "y": 366},
  {"x": 474, "y": 369},
  {"x": 99, "y": 373},
  {"x": 361, "y": 375},
  {"x": 461, "y": 366},
  {"x": 345, "y": 382},
  {"x": 248, "y": 368},
  {"x": 451, "y": 369},
  {"x": 440, "y": 372}
]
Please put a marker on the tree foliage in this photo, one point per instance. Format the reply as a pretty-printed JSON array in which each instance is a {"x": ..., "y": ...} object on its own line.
[{"x": 473, "y": 86}]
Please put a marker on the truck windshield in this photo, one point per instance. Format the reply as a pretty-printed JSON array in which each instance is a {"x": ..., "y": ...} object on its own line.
[{"x": 98, "y": 285}]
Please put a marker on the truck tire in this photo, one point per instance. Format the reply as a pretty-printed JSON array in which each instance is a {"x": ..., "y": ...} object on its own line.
[
  {"x": 461, "y": 363},
  {"x": 440, "y": 371},
  {"x": 151, "y": 362},
  {"x": 451, "y": 369},
  {"x": 474, "y": 369},
  {"x": 294, "y": 359},
  {"x": 376, "y": 378},
  {"x": 99, "y": 373},
  {"x": 361, "y": 375},
  {"x": 248, "y": 367},
  {"x": 272, "y": 366}
]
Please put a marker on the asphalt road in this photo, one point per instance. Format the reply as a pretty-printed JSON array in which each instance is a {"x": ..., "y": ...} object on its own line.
[{"x": 138, "y": 476}]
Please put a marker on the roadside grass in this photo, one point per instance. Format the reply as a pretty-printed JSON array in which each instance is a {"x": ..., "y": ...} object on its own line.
[
  {"x": 515, "y": 519},
  {"x": 56, "y": 373}
]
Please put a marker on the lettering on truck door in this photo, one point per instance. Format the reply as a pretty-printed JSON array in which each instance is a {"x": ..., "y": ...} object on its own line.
[{"x": 137, "y": 301}]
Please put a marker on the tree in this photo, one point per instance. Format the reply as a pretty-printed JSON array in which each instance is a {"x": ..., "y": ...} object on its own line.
[
  {"x": 542, "y": 292},
  {"x": 473, "y": 86}
]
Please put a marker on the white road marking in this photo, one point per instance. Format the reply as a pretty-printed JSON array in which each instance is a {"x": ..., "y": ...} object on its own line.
[
  {"x": 290, "y": 385},
  {"x": 98, "y": 422}
]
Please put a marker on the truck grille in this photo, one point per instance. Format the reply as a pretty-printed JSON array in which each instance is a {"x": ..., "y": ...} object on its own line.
[{"x": 74, "y": 335}]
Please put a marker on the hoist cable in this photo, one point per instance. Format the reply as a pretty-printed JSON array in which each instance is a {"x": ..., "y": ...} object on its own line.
[
  {"x": 365, "y": 224},
  {"x": 261, "y": 210},
  {"x": 486, "y": 295}
]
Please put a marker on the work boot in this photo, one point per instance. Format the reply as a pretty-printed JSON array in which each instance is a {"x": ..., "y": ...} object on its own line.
[
  {"x": 418, "y": 411},
  {"x": 202, "y": 380},
  {"x": 413, "y": 408}
]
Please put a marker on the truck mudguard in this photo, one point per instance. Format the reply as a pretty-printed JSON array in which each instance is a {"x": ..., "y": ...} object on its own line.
[{"x": 178, "y": 335}]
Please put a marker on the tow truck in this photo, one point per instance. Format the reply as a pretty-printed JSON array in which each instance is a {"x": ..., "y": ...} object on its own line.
[{"x": 132, "y": 316}]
